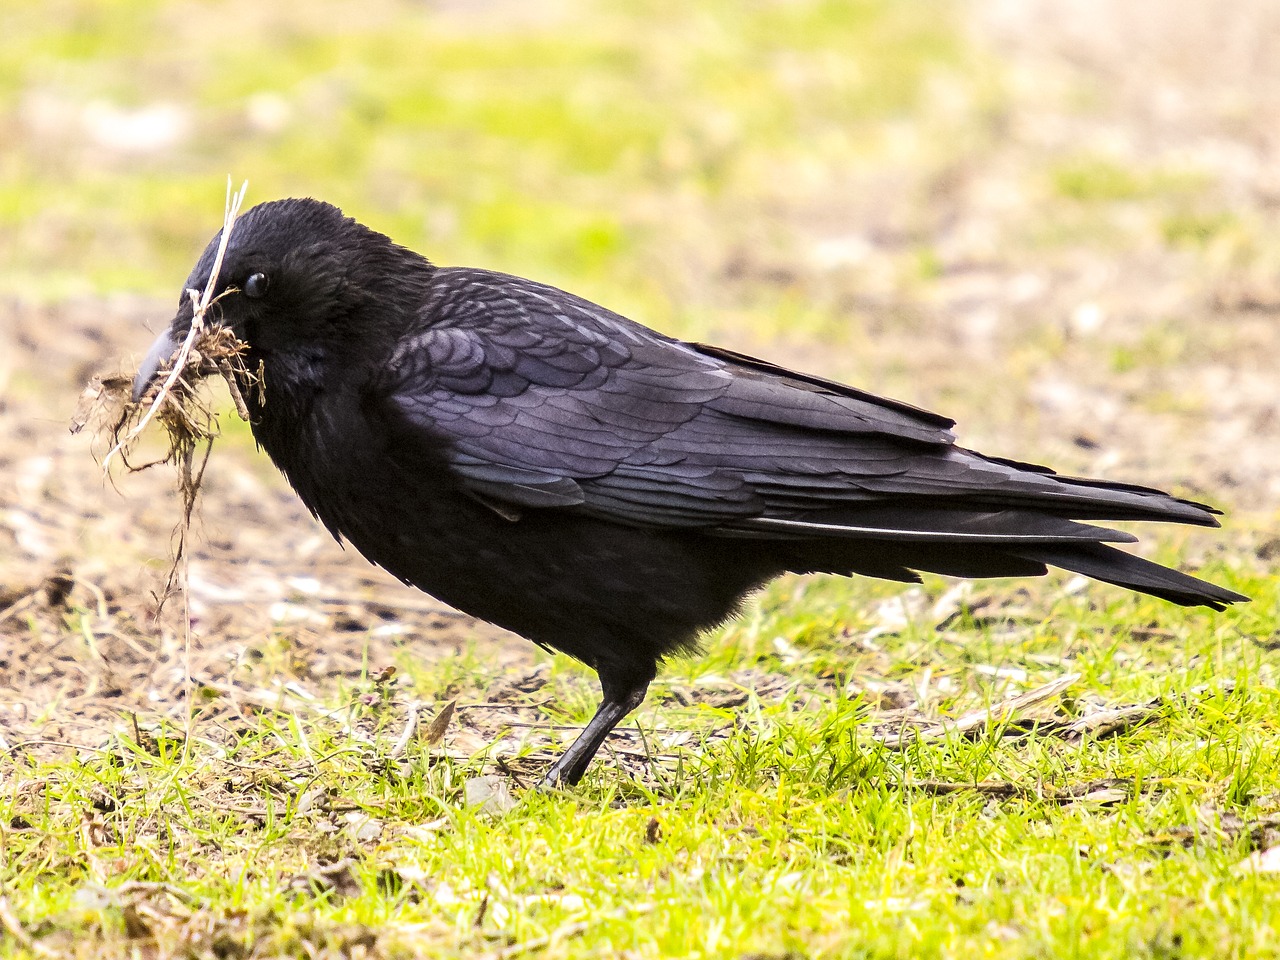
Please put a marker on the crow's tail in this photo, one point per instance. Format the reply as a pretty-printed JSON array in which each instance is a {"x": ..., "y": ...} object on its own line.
[
  {"x": 894, "y": 543},
  {"x": 1110, "y": 565}
]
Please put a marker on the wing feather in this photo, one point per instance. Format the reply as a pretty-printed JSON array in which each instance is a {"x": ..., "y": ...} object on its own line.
[{"x": 539, "y": 399}]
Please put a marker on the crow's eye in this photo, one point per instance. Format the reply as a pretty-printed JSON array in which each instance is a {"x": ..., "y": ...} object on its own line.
[{"x": 256, "y": 286}]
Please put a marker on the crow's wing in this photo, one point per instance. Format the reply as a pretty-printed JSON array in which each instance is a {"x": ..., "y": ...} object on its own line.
[
  {"x": 536, "y": 398},
  {"x": 528, "y": 393}
]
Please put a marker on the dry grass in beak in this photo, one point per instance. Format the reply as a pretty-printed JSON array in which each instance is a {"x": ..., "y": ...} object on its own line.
[{"x": 174, "y": 398}]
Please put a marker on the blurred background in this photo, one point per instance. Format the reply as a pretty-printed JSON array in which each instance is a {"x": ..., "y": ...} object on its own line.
[{"x": 1056, "y": 220}]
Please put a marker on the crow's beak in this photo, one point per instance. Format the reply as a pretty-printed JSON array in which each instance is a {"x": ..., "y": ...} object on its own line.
[{"x": 164, "y": 348}]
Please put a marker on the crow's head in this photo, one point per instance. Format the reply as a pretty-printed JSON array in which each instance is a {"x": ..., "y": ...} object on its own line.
[{"x": 297, "y": 275}]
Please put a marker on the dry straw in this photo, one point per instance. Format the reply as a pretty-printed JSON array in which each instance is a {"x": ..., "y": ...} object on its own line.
[
  {"x": 208, "y": 349},
  {"x": 174, "y": 400}
]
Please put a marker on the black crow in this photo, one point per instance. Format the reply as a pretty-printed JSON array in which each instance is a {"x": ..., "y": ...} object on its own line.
[{"x": 601, "y": 489}]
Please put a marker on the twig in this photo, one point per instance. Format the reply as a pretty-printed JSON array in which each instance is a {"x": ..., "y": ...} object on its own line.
[
  {"x": 1008, "y": 707},
  {"x": 994, "y": 714},
  {"x": 1114, "y": 788},
  {"x": 411, "y": 724},
  {"x": 991, "y": 788},
  {"x": 1108, "y": 723}
]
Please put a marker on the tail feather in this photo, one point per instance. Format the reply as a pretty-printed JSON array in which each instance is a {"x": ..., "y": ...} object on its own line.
[
  {"x": 897, "y": 559},
  {"x": 1110, "y": 565},
  {"x": 990, "y": 535}
]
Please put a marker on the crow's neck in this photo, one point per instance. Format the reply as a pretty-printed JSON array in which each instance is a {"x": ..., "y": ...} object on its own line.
[{"x": 295, "y": 416}]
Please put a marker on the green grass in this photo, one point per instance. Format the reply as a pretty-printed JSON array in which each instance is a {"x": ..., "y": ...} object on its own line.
[
  {"x": 792, "y": 830},
  {"x": 471, "y": 143},
  {"x": 1097, "y": 179},
  {"x": 676, "y": 161}
]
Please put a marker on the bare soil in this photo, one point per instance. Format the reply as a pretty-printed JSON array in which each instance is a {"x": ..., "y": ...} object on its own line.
[{"x": 266, "y": 582}]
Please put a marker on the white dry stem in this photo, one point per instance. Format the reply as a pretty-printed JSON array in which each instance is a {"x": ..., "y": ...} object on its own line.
[
  {"x": 410, "y": 725},
  {"x": 200, "y": 305}
]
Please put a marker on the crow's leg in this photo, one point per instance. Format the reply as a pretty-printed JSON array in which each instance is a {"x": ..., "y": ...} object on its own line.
[{"x": 623, "y": 690}]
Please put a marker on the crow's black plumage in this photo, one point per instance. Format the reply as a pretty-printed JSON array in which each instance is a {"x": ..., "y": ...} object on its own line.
[{"x": 544, "y": 464}]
